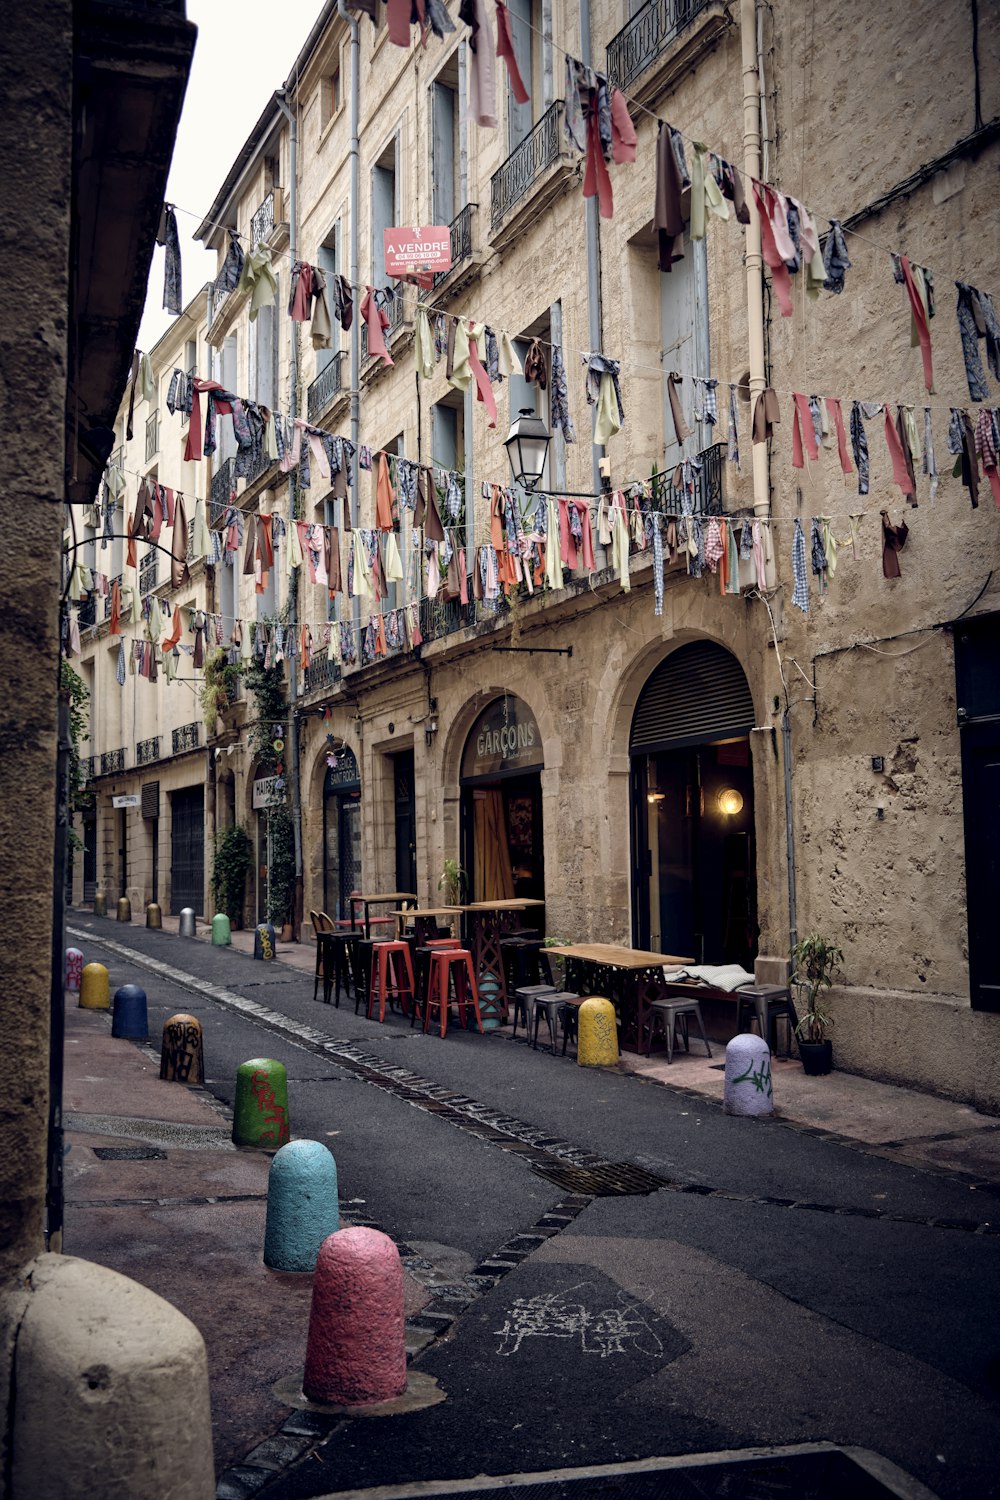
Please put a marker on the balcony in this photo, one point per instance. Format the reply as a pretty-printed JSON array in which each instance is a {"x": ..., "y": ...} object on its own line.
[
  {"x": 88, "y": 611},
  {"x": 112, "y": 761},
  {"x": 321, "y": 673},
  {"x": 648, "y": 38},
  {"x": 395, "y": 312},
  {"x": 707, "y": 498},
  {"x": 525, "y": 176},
  {"x": 147, "y": 573},
  {"x": 326, "y": 385},
  {"x": 186, "y": 737},
  {"x": 152, "y": 436},
  {"x": 263, "y": 221},
  {"x": 107, "y": 602},
  {"x": 223, "y": 489},
  {"x": 261, "y": 466},
  {"x": 461, "y": 242},
  {"x": 146, "y": 751}
]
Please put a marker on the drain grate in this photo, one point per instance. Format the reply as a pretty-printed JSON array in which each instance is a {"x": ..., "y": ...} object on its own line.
[
  {"x": 611, "y": 1179},
  {"x": 129, "y": 1153}
]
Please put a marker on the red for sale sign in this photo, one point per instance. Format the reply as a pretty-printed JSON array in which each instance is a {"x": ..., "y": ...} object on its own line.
[{"x": 419, "y": 253}]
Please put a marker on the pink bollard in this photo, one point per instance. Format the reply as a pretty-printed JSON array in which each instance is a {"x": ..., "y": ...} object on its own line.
[
  {"x": 74, "y": 969},
  {"x": 356, "y": 1349}
]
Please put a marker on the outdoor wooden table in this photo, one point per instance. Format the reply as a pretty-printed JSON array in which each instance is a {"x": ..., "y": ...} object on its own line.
[
  {"x": 424, "y": 919},
  {"x": 631, "y": 977},
  {"x": 377, "y": 898},
  {"x": 486, "y": 923}
]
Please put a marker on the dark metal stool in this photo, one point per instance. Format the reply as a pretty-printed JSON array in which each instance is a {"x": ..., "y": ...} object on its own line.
[
  {"x": 336, "y": 970},
  {"x": 765, "y": 1003}
]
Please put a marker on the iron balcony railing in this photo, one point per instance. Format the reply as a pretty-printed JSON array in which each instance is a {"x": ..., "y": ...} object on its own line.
[
  {"x": 525, "y": 164},
  {"x": 326, "y": 385},
  {"x": 146, "y": 751},
  {"x": 706, "y": 500},
  {"x": 395, "y": 313},
  {"x": 88, "y": 611},
  {"x": 112, "y": 761},
  {"x": 259, "y": 466},
  {"x": 152, "y": 435},
  {"x": 107, "y": 601},
  {"x": 321, "y": 673},
  {"x": 263, "y": 221},
  {"x": 461, "y": 240},
  {"x": 223, "y": 485},
  {"x": 147, "y": 572},
  {"x": 186, "y": 737},
  {"x": 646, "y": 36}
]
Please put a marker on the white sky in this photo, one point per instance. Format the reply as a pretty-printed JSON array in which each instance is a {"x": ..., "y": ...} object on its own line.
[{"x": 243, "y": 53}]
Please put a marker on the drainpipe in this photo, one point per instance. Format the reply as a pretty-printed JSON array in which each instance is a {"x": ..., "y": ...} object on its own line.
[
  {"x": 754, "y": 258},
  {"x": 293, "y": 588},
  {"x": 786, "y": 756},
  {"x": 594, "y": 326},
  {"x": 355, "y": 154}
]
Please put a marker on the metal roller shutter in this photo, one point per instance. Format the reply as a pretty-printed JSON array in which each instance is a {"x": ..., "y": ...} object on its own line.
[{"x": 697, "y": 693}]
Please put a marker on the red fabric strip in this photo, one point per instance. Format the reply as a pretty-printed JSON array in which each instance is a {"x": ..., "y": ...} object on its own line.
[
  {"x": 398, "y": 18},
  {"x": 595, "y": 176},
  {"x": 900, "y": 471},
  {"x": 505, "y": 49},
  {"x": 762, "y": 197},
  {"x": 484, "y": 391},
  {"x": 802, "y": 423},
  {"x": 623, "y": 136},
  {"x": 920, "y": 319},
  {"x": 833, "y": 407}
]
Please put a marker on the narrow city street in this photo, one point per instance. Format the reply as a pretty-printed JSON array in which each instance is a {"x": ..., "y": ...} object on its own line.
[{"x": 599, "y": 1268}]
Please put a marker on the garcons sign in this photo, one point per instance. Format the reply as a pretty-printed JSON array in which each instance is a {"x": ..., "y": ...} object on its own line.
[{"x": 505, "y": 737}]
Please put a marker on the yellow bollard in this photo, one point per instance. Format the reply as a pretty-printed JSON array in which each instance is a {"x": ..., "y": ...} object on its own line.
[
  {"x": 124, "y": 909},
  {"x": 95, "y": 992},
  {"x": 597, "y": 1040},
  {"x": 100, "y": 904},
  {"x": 154, "y": 916}
]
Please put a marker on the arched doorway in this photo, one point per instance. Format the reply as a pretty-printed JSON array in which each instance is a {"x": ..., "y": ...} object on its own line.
[
  {"x": 694, "y": 859},
  {"x": 341, "y": 833},
  {"x": 502, "y": 803}
]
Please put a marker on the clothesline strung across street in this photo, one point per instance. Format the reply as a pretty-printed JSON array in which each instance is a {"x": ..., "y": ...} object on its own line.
[{"x": 633, "y": 366}]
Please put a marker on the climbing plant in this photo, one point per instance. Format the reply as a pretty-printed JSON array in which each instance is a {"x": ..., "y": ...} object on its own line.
[
  {"x": 77, "y": 695},
  {"x": 281, "y": 873},
  {"x": 230, "y": 868},
  {"x": 219, "y": 688}
]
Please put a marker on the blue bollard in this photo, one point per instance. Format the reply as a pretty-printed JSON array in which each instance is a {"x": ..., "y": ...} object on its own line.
[
  {"x": 263, "y": 941},
  {"x": 130, "y": 1018},
  {"x": 302, "y": 1207}
]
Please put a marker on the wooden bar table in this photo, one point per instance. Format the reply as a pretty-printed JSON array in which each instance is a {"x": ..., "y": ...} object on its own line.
[
  {"x": 424, "y": 919},
  {"x": 486, "y": 923},
  {"x": 631, "y": 977},
  {"x": 377, "y": 898}
]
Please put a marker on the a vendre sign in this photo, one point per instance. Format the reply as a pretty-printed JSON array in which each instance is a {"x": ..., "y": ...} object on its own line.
[{"x": 418, "y": 254}]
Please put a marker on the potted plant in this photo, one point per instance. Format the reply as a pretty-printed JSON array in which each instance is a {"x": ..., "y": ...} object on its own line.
[
  {"x": 453, "y": 882},
  {"x": 230, "y": 868},
  {"x": 817, "y": 960}
]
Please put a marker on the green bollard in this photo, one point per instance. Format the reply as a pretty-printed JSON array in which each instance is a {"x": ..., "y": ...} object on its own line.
[
  {"x": 221, "y": 935},
  {"x": 95, "y": 992},
  {"x": 260, "y": 1112}
]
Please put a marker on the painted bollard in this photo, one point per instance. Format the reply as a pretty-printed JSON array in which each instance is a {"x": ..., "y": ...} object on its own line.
[
  {"x": 302, "y": 1206},
  {"x": 74, "y": 969},
  {"x": 260, "y": 1112},
  {"x": 129, "y": 1016},
  {"x": 124, "y": 913},
  {"x": 221, "y": 935},
  {"x": 95, "y": 991},
  {"x": 263, "y": 941},
  {"x": 356, "y": 1348},
  {"x": 186, "y": 925},
  {"x": 182, "y": 1054},
  {"x": 597, "y": 1034},
  {"x": 154, "y": 916},
  {"x": 747, "y": 1089},
  {"x": 100, "y": 904}
]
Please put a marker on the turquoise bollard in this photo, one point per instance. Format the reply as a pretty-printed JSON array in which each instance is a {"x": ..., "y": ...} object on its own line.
[
  {"x": 221, "y": 935},
  {"x": 302, "y": 1207}
]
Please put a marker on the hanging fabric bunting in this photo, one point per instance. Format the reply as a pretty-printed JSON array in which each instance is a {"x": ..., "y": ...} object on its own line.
[
  {"x": 505, "y": 49},
  {"x": 168, "y": 237},
  {"x": 377, "y": 321},
  {"x": 893, "y": 542},
  {"x": 604, "y": 391},
  {"x": 482, "y": 76},
  {"x": 919, "y": 286},
  {"x": 800, "y": 592}
]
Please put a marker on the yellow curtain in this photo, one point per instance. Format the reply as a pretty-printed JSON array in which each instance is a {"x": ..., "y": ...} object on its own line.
[{"x": 493, "y": 878}]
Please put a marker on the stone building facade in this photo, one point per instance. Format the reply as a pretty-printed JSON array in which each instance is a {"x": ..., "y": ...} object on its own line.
[{"x": 721, "y": 777}]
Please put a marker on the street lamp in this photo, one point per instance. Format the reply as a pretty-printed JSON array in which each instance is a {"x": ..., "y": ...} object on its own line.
[{"x": 527, "y": 444}]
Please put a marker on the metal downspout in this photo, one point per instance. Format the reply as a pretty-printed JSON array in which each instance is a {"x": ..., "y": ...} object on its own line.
[
  {"x": 293, "y": 584},
  {"x": 595, "y": 319},
  {"x": 355, "y": 155},
  {"x": 754, "y": 258}
]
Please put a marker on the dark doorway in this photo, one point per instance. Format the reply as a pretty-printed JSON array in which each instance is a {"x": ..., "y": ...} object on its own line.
[
  {"x": 406, "y": 821},
  {"x": 977, "y": 650},
  {"x": 694, "y": 886},
  {"x": 501, "y": 832},
  {"x": 341, "y": 834},
  {"x": 89, "y": 857},
  {"x": 122, "y": 827},
  {"x": 187, "y": 849}
]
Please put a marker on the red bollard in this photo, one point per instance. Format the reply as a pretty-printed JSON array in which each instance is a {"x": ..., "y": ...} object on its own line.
[{"x": 356, "y": 1349}]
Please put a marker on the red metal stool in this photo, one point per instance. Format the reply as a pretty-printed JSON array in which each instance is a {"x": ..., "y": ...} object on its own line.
[
  {"x": 447, "y": 966},
  {"x": 384, "y": 981}
]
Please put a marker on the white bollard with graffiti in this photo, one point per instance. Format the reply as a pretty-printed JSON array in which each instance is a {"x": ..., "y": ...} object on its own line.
[{"x": 748, "y": 1077}]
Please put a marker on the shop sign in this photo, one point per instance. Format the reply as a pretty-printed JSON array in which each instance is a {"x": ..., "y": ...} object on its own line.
[
  {"x": 418, "y": 253},
  {"x": 345, "y": 772},
  {"x": 133, "y": 799},
  {"x": 505, "y": 737},
  {"x": 267, "y": 792}
]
